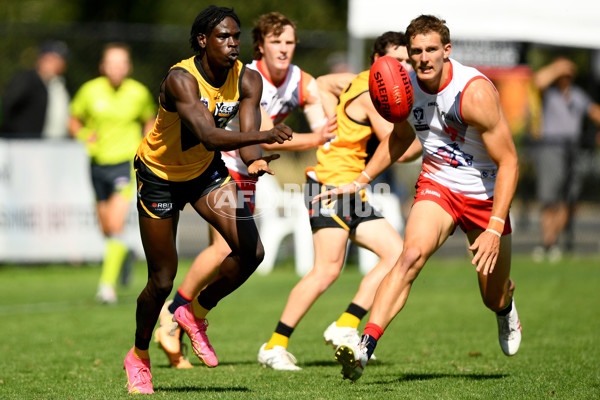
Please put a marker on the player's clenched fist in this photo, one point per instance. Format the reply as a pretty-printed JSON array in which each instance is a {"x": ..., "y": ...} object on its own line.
[{"x": 279, "y": 133}]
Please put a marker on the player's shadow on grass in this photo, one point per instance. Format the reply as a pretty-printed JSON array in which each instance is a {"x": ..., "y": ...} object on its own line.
[
  {"x": 241, "y": 362},
  {"x": 333, "y": 362},
  {"x": 196, "y": 364},
  {"x": 320, "y": 363},
  {"x": 184, "y": 389},
  {"x": 426, "y": 377}
]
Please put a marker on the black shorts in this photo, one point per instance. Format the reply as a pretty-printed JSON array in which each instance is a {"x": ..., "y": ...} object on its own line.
[
  {"x": 345, "y": 212},
  {"x": 109, "y": 179},
  {"x": 160, "y": 199}
]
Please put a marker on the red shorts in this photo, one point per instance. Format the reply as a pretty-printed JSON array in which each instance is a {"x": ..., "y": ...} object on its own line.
[
  {"x": 467, "y": 212},
  {"x": 248, "y": 187}
]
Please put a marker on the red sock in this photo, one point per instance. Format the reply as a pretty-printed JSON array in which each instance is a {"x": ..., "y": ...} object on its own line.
[{"x": 373, "y": 330}]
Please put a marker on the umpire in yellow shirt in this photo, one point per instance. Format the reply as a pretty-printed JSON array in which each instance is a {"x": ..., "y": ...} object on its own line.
[{"x": 110, "y": 114}]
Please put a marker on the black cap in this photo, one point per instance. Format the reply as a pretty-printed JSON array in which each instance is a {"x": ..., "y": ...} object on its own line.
[{"x": 55, "y": 46}]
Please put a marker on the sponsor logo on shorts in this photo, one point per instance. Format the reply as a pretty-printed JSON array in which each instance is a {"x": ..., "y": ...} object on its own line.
[
  {"x": 425, "y": 192},
  {"x": 162, "y": 206}
]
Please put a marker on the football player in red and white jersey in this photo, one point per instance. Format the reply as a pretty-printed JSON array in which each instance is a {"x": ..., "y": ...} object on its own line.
[{"x": 468, "y": 179}]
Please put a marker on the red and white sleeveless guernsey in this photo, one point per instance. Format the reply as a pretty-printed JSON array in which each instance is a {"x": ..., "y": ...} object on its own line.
[
  {"x": 278, "y": 102},
  {"x": 453, "y": 152}
]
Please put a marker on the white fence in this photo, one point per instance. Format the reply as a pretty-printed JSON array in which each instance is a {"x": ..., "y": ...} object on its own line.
[
  {"x": 47, "y": 212},
  {"x": 47, "y": 206}
]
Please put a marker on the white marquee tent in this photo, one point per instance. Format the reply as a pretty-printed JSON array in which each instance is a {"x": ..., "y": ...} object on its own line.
[{"x": 574, "y": 23}]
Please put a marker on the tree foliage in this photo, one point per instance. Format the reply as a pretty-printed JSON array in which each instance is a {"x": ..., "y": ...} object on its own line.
[{"x": 310, "y": 14}]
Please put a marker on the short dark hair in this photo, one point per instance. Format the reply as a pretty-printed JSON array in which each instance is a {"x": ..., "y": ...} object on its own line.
[
  {"x": 56, "y": 47},
  {"x": 266, "y": 24},
  {"x": 207, "y": 20},
  {"x": 424, "y": 24},
  {"x": 387, "y": 39}
]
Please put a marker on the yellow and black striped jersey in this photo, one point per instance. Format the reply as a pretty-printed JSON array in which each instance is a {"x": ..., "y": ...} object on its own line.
[{"x": 171, "y": 150}]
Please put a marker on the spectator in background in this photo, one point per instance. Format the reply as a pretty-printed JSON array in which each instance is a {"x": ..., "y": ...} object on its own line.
[
  {"x": 110, "y": 114},
  {"x": 558, "y": 154},
  {"x": 35, "y": 103}
]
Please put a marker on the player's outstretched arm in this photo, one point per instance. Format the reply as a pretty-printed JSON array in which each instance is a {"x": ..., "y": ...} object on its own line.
[
  {"x": 322, "y": 128},
  {"x": 481, "y": 109},
  {"x": 179, "y": 92},
  {"x": 414, "y": 151},
  {"x": 388, "y": 151},
  {"x": 302, "y": 141}
]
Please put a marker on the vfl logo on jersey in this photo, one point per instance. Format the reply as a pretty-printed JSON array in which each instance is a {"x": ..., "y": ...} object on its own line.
[
  {"x": 454, "y": 156},
  {"x": 419, "y": 115}
]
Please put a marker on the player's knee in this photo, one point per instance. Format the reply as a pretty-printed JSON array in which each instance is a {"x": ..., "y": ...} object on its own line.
[
  {"x": 324, "y": 278},
  {"x": 252, "y": 258},
  {"x": 410, "y": 260},
  {"x": 161, "y": 285},
  {"x": 391, "y": 254},
  {"x": 256, "y": 256},
  {"x": 162, "y": 289},
  {"x": 260, "y": 254}
]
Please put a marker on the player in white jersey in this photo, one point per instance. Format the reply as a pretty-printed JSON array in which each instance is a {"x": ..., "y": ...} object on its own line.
[
  {"x": 285, "y": 88},
  {"x": 468, "y": 178}
]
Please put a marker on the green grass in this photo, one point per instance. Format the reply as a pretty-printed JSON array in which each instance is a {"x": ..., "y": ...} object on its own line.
[{"x": 57, "y": 343}]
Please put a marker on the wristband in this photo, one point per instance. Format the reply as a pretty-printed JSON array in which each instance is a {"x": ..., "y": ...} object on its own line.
[
  {"x": 366, "y": 175},
  {"x": 359, "y": 186},
  {"x": 498, "y": 219},
  {"x": 494, "y": 232}
]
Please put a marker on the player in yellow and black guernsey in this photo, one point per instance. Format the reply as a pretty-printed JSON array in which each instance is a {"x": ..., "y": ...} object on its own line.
[{"x": 178, "y": 162}]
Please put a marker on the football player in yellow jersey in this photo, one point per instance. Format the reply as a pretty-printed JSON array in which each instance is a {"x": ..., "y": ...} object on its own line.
[
  {"x": 196, "y": 101},
  {"x": 333, "y": 224},
  {"x": 286, "y": 87}
]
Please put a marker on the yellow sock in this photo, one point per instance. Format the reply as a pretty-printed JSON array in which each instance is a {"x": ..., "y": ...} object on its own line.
[
  {"x": 277, "y": 340},
  {"x": 141, "y": 354},
  {"x": 199, "y": 311},
  {"x": 348, "y": 320},
  {"x": 114, "y": 255}
]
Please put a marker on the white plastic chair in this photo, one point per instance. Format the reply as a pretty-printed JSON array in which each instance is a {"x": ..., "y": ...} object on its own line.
[{"x": 278, "y": 214}]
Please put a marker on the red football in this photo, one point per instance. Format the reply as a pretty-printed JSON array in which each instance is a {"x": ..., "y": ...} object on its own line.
[{"x": 390, "y": 89}]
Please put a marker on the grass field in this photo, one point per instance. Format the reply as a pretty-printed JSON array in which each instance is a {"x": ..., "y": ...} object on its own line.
[{"x": 57, "y": 343}]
